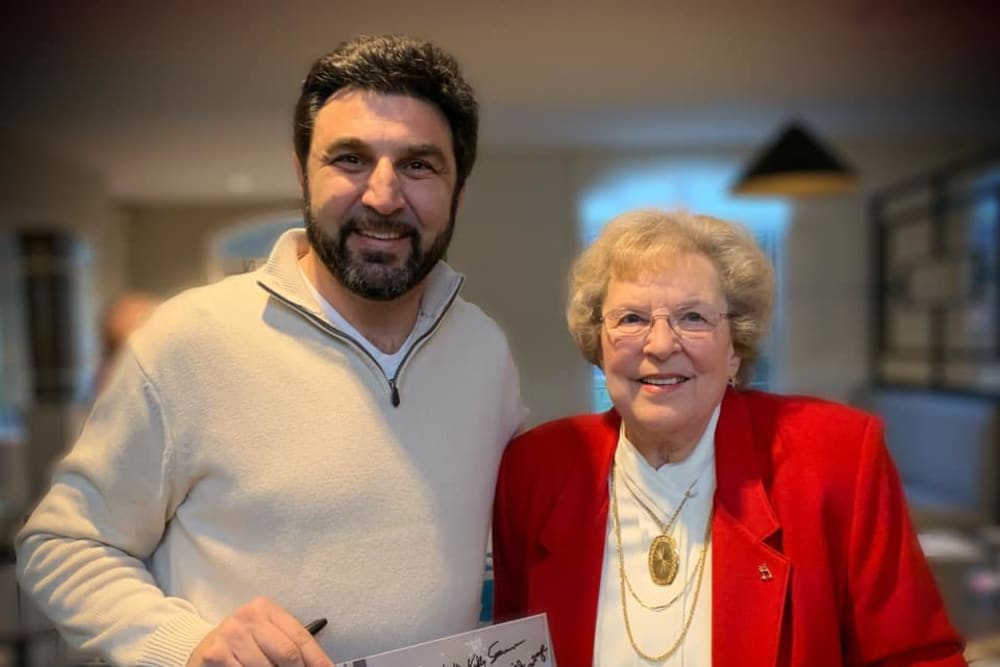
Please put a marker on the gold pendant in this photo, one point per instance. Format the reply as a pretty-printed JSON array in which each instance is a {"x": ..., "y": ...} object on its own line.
[{"x": 663, "y": 560}]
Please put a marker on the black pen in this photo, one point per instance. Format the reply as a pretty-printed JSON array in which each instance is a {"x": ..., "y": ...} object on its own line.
[{"x": 315, "y": 626}]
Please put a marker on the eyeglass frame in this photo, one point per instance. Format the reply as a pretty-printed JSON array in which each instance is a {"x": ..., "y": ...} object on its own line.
[{"x": 602, "y": 319}]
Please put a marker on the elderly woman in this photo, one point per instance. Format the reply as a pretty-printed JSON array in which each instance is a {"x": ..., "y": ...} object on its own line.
[{"x": 697, "y": 522}]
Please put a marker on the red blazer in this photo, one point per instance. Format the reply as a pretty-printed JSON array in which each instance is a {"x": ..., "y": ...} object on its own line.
[{"x": 803, "y": 486}]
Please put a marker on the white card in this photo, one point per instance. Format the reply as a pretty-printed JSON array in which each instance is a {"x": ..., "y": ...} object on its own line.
[{"x": 521, "y": 643}]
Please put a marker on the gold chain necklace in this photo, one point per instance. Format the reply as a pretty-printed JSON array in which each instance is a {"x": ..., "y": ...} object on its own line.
[
  {"x": 621, "y": 577},
  {"x": 663, "y": 560}
]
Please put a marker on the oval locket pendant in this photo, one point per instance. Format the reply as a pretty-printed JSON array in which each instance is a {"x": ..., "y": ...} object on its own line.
[{"x": 663, "y": 560}]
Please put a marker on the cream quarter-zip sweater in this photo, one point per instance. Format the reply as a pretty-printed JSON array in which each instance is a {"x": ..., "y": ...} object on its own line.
[{"x": 245, "y": 447}]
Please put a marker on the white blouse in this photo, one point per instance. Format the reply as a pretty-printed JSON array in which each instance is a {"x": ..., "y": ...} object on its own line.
[{"x": 662, "y": 490}]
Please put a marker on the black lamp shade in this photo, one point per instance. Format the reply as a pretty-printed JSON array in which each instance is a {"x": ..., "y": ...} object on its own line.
[{"x": 796, "y": 164}]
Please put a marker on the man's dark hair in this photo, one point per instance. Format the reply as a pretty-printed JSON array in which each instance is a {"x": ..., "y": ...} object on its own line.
[{"x": 393, "y": 64}]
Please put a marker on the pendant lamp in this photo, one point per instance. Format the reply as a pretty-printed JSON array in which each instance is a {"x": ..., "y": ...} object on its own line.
[{"x": 796, "y": 164}]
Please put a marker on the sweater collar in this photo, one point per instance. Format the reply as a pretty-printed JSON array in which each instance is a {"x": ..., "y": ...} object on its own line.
[{"x": 281, "y": 276}]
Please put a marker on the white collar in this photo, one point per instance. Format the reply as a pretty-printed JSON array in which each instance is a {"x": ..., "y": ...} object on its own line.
[{"x": 668, "y": 483}]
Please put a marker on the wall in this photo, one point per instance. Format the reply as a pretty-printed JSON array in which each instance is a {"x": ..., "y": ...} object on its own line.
[
  {"x": 42, "y": 190},
  {"x": 170, "y": 244},
  {"x": 519, "y": 237},
  {"x": 827, "y": 261},
  {"x": 515, "y": 240},
  {"x": 516, "y": 237}
]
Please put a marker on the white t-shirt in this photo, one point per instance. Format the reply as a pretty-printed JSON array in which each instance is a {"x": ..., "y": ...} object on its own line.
[{"x": 388, "y": 362}]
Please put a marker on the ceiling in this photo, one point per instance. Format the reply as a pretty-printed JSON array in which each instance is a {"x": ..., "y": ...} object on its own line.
[{"x": 191, "y": 100}]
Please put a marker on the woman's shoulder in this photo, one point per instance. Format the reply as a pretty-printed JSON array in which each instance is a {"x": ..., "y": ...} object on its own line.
[
  {"x": 813, "y": 432},
  {"x": 565, "y": 437},
  {"x": 805, "y": 412},
  {"x": 569, "y": 429}
]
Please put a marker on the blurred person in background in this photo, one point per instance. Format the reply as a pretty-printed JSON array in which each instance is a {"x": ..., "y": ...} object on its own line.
[
  {"x": 318, "y": 438},
  {"x": 699, "y": 522},
  {"x": 122, "y": 316}
]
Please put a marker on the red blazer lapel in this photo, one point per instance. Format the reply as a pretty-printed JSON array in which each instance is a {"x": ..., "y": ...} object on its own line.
[
  {"x": 568, "y": 580},
  {"x": 750, "y": 576}
]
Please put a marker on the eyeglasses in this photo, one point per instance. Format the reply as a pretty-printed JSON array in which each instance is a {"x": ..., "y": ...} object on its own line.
[{"x": 688, "y": 323}]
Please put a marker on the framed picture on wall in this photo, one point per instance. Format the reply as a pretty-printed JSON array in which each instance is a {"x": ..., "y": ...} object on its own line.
[{"x": 936, "y": 277}]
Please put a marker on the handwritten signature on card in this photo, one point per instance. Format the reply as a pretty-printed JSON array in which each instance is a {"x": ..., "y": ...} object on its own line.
[
  {"x": 495, "y": 652},
  {"x": 523, "y": 642}
]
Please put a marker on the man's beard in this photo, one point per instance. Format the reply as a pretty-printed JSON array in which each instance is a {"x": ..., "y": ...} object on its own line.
[{"x": 371, "y": 274}]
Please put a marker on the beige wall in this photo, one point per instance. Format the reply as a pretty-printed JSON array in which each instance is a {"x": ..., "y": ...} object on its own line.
[
  {"x": 42, "y": 190},
  {"x": 39, "y": 189},
  {"x": 517, "y": 235},
  {"x": 826, "y": 345},
  {"x": 515, "y": 240},
  {"x": 170, "y": 244}
]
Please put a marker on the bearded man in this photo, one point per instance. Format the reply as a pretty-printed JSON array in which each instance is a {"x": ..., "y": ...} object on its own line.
[{"x": 318, "y": 438}]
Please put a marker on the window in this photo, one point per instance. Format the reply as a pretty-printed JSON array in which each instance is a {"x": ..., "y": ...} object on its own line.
[
  {"x": 245, "y": 246},
  {"x": 14, "y": 352},
  {"x": 47, "y": 355},
  {"x": 937, "y": 272},
  {"x": 700, "y": 186}
]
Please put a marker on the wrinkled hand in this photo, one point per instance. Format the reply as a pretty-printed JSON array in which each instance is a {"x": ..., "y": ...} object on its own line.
[{"x": 259, "y": 634}]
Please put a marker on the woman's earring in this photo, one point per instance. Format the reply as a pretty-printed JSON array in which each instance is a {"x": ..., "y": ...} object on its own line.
[{"x": 732, "y": 382}]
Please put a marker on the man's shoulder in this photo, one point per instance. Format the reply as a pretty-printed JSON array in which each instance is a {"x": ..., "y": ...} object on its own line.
[
  {"x": 472, "y": 312},
  {"x": 468, "y": 317},
  {"x": 199, "y": 311}
]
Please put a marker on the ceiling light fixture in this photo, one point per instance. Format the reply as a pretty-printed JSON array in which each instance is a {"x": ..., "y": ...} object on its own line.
[{"x": 796, "y": 164}]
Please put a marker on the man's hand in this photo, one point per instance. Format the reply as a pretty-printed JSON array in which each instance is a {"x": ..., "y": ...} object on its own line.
[{"x": 259, "y": 634}]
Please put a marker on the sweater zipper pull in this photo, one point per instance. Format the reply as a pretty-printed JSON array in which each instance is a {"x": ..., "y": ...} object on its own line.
[{"x": 395, "y": 393}]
